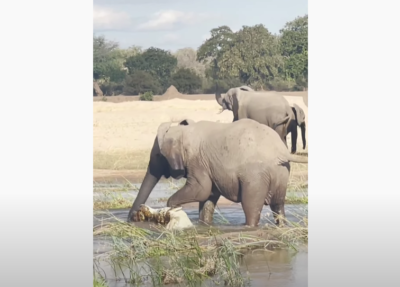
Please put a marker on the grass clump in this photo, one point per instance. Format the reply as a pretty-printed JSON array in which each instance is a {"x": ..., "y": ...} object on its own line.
[
  {"x": 296, "y": 198},
  {"x": 113, "y": 201},
  {"x": 189, "y": 257},
  {"x": 99, "y": 282}
]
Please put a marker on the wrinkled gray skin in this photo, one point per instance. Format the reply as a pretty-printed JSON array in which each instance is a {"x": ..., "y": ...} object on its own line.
[
  {"x": 244, "y": 161},
  {"x": 271, "y": 110}
]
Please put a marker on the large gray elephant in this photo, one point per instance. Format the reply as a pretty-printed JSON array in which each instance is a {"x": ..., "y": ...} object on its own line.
[
  {"x": 243, "y": 161},
  {"x": 272, "y": 110}
]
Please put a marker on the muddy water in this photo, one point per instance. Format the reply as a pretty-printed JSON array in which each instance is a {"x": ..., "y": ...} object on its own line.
[{"x": 265, "y": 268}]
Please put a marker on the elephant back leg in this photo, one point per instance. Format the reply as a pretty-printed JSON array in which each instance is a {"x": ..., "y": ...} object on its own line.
[
  {"x": 278, "y": 194},
  {"x": 206, "y": 208},
  {"x": 253, "y": 194}
]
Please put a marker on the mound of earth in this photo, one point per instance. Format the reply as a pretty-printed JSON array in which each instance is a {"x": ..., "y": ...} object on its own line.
[{"x": 172, "y": 93}]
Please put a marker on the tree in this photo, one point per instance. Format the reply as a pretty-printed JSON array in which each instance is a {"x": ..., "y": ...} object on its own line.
[
  {"x": 186, "y": 58},
  {"x": 294, "y": 48},
  {"x": 140, "y": 82},
  {"x": 254, "y": 56},
  {"x": 157, "y": 62},
  {"x": 212, "y": 49},
  {"x": 186, "y": 81},
  {"x": 106, "y": 63},
  {"x": 210, "y": 52}
]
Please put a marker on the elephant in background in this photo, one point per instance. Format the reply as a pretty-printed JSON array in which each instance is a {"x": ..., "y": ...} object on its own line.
[
  {"x": 243, "y": 161},
  {"x": 271, "y": 110},
  {"x": 299, "y": 121}
]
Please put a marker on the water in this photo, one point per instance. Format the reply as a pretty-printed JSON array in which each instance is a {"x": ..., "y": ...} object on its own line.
[{"x": 284, "y": 268}]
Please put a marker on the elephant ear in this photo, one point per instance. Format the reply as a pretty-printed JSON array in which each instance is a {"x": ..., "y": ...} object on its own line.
[
  {"x": 219, "y": 98},
  {"x": 299, "y": 113},
  {"x": 246, "y": 88},
  {"x": 186, "y": 122},
  {"x": 162, "y": 130},
  {"x": 171, "y": 149}
]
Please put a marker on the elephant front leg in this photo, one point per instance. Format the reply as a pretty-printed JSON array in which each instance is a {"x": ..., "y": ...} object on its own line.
[
  {"x": 206, "y": 209},
  {"x": 294, "y": 139},
  {"x": 195, "y": 190}
]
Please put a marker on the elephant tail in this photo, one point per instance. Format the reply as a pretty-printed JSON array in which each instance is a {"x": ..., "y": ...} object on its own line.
[
  {"x": 284, "y": 121},
  {"x": 298, "y": 159}
]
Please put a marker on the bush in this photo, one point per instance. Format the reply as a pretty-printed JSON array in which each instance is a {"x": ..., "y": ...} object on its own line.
[
  {"x": 148, "y": 96},
  {"x": 281, "y": 85},
  {"x": 209, "y": 85},
  {"x": 140, "y": 82},
  {"x": 186, "y": 81},
  {"x": 111, "y": 88}
]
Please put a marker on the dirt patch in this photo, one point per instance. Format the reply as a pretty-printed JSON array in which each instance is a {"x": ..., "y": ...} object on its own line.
[{"x": 171, "y": 93}]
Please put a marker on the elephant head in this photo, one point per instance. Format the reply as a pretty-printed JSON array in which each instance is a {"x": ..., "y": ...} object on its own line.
[
  {"x": 229, "y": 100},
  {"x": 301, "y": 122},
  {"x": 165, "y": 160}
]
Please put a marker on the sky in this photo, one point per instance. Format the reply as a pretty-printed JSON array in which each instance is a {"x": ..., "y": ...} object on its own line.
[{"x": 176, "y": 24}]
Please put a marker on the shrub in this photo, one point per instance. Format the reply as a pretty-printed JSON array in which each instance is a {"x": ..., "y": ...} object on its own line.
[
  {"x": 186, "y": 81},
  {"x": 140, "y": 82},
  {"x": 147, "y": 96},
  {"x": 209, "y": 85},
  {"x": 280, "y": 85},
  {"x": 112, "y": 88}
]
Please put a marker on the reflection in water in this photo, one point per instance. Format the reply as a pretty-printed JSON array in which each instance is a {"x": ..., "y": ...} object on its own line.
[{"x": 265, "y": 268}]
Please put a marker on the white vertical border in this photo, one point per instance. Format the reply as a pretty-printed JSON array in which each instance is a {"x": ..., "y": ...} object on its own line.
[
  {"x": 46, "y": 138},
  {"x": 353, "y": 122}
]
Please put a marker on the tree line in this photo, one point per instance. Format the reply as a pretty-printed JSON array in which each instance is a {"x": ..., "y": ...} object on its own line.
[{"x": 252, "y": 56}]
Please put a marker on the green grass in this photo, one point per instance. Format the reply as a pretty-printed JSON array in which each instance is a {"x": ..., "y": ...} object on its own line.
[
  {"x": 99, "y": 282},
  {"x": 295, "y": 198},
  {"x": 188, "y": 257}
]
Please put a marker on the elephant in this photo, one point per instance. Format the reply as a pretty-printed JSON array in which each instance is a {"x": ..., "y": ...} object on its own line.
[
  {"x": 300, "y": 120},
  {"x": 271, "y": 110},
  {"x": 244, "y": 161}
]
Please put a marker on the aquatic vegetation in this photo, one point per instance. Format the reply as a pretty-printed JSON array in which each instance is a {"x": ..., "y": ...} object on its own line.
[{"x": 187, "y": 257}]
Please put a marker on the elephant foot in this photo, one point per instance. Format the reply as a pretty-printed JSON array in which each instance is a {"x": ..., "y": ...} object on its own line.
[
  {"x": 133, "y": 217},
  {"x": 207, "y": 212}
]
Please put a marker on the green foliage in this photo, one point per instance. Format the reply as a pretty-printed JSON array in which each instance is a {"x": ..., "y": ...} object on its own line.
[
  {"x": 221, "y": 40},
  {"x": 160, "y": 64},
  {"x": 186, "y": 58},
  {"x": 148, "y": 96},
  {"x": 140, "y": 82},
  {"x": 294, "y": 47},
  {"x": 186, "y": 81},
  {"x": 105, "y": 58},
  {"x": 111, "y": 88},
  {"x": 209, "y": 85},
  {"x": 251, "y": 56}
]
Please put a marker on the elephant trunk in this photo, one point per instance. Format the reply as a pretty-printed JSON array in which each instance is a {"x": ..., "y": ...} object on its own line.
[
  {"x": 303, "y": 134},
  {"x": 149, "y": 182},
  {"x": 218, "y": 97}
]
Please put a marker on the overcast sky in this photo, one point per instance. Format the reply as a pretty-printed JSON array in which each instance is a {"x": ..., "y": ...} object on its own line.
[{"x": 175, "y": 24}]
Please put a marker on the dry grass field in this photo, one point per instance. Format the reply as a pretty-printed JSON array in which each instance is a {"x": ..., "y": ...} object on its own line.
[{"x": 124, "y": 129}]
